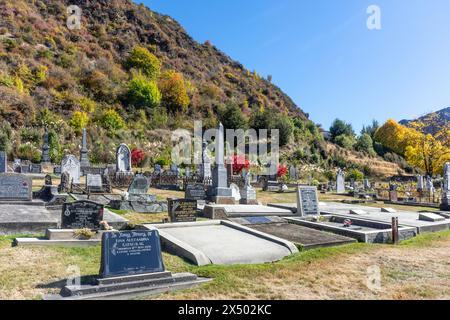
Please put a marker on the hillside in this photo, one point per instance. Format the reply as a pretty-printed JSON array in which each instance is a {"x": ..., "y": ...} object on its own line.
[{"x": 435, "y": 123}]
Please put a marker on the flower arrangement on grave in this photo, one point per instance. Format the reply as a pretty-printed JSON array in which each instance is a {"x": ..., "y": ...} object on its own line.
[
  {"x": 282, "y": 171},
  {"x": 105, "y": 226},
  {"x": 83, "y": 234}
]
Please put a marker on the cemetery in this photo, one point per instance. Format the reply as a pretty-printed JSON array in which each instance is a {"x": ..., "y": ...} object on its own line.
[{"x": 202, "y": 216}]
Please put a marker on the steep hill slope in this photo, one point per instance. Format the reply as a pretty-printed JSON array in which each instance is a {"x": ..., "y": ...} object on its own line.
[{"x": 435, "y": 123}]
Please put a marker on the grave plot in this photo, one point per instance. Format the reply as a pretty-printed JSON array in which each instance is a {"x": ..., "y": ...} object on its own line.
[
  {"x": 235, "y": 211},
  {"x": 222, "y": 242},
  {"x": 131, "y": 265},
  {"x": 423, "y": 222},
  {"x": 360, "y": 229},
  {"x": 80, "y": 225},
  {"x": 307, "y": 238}
]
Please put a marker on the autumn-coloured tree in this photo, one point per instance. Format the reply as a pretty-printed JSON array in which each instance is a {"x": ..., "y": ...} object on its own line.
[
  {"x": 396, "y": 137},
  {"x": 174, "y": 91}
]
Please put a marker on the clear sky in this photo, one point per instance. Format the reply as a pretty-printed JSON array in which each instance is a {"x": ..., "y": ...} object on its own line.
[{"x": 321, "y": 53}]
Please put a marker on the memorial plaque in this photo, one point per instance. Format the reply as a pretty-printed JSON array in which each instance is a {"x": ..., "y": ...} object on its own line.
[
  {"x": 131, "y": 253},
  {"x": 3, "y": 162},
  {"x": 195, "y": 192},
  {"x": 82, "y": 214},
  {"x": 182, "y": 210},
  {"x": 15, "y": 187},
  {"x": 307, "y": 201}
]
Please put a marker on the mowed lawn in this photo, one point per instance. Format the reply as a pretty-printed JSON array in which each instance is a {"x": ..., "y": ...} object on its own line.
[{"x": 416, "y": 269}]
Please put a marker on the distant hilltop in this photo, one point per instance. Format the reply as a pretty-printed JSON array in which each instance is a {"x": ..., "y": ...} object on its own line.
[{"x": 433, "y": 123}]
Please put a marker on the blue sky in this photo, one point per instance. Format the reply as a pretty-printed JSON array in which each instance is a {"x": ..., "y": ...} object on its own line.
[{"x": 321, "y": 53}]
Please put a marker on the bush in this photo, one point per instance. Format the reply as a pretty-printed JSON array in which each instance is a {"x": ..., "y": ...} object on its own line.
[
  {"x": 27, "y": 151},
  {"x": 143, "y": 93},
  {"x": 137, "y": 157},
  {"x": 112, "y": 121},
  {"x": 365, "y": 144},
  {"x": 355, "y": 174},
  {"x": 174, "y": 89},
  {"x": 285, "y": 127},
  {"x": 339, "y": 128},
  {"x": 140, "y": 58},
  {"x": 31, "y": 135},
  {"x": 345, "y": 141},
  {"x": 79, "y": 121}
]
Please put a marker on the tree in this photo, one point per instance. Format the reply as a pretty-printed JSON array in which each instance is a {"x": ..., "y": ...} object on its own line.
[
  {"x": 285, "y": 127},
  {"x": 174, "y": 91},
  {"x": 345, "y": 141},
  {"x": 365, "y": 144},
  {"x": 233, "y": 118},
  {"x": 267, "y": 120},
  {"x": 396, "y": 137},
  {"x": 141, "y": 59},
  {"x": 355, "y": 174},
  {"x": 112, "y": 121},
  {"x": 371, "y": 129},
  {"x": 339, "y": 128},
  {"x": 143, "y": 93}
]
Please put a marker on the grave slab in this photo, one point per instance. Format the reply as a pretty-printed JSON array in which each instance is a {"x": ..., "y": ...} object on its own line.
[
  {"x": 304, "y": 237},
  {"x": 234, "y": 211},
  {"x": 222, "y": 242}
]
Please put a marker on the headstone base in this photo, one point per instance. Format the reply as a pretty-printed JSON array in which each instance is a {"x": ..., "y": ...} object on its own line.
[
  {"x": 139, "y": 206},
  {"x": 223, "y": 200},
  {"x": 249, "y": 201},
  {"x": 130, "y": 286}
]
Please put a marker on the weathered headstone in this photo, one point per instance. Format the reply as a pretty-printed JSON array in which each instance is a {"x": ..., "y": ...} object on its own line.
[
  {"x": 138, "y": 189},
  {"x": 248, "y": 194},
  {"x": 64, "y": 185},
  {"x": 204, "y": 170},
  {"x": 35, "y": 168},
  {"x": 430, "y": 185},
  {"x": 15, "y": 187},
  {"x": 367, "y": 185},
  {"x": 71, "y": 165},
  {"x": 84, "y": 152},
  {"x": 235, "y": 192},
  {"x": 45, "y": 149},
  {"x": 82, "y": 214},
  {"x": 293, "y": 173},
  {"x": 130, "y": 253},
  {"x": 420, "y": 184},
  {"x": 94, "y": 183},
  {"x": 123, "y": 158},
  {"x": 393, "y": 194},
  {"x": 182, "y": 210},
  {"x": 340, "y": 182},
  {"x": 445, "y": 203},
  {"x": 307, "y": 201}
]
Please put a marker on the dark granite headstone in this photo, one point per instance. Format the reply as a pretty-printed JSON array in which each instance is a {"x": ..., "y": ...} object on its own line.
[
  {"x": 182, "y": 210},
  {"x": 307, "y": 201},
  {"x": 82, "y": 214},
  {"x": 48, "y": 180},
  {"x": 131, "y": 253},
  {"x": 15, "y": 187},
  {"x": 195, "y": 192}
]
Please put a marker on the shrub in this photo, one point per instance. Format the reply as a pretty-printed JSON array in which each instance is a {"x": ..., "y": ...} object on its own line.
[
  {"x": 240, "y": 163},
  {"x": 140, "y": 58},
  {"x": 79, "y": 121},
  {"x": 355, "y": 174},
  {"x": 137, "y": 157},
  {"x": 339, "y": 128},
  {"x": 365, "y": 144},
  {"x": 143, "y": 93},
  {"x": 174, "y": 90},
  {"x": 112, "y": 121},
  {"x": 345, "y": 141},
  {"x": 27, "y": 151},
  {"x": 30, "y": 135},
  {"x": 282, "y": 170},
  {"x": 233, "y": 118}
]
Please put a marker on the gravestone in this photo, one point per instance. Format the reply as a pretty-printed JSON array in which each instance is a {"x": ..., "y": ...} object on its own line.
[
  {"x": 3, "y": 162},
  {"x": 445, "y": 203},
  {"x": 293, "y": 173},
  {"x": 48, "y": 180},
  {"x": 340, "y": 182},
  {"x": 430, "y": 185},
  {"x": 393, "y": 195},
  {"x": 84, "y": 152},
  {"x": 248, "y": 194},
  {"x": 138, "y": 189},
  {"x": 182, "y": 210},
  {"x": 82, "y": 214},
  {"x": 35, "y": 168},
  {"x": 157, "y": 169},
  {"x": 307, "y": 201},
  {"x": 195, "y": 192},
  {"x": 71, "y": 165},
  {"x": 94, "y": 183},
  {"x": 15, "y": 187},
  {"x": 123, "y": 158},
  {"x": 420, "y": 183},
  {"x": 45, "y": 149},
  {"x": 219, "y": 192},
  {"x": 367, "y": 185},
  {"x": 57, "y": 170},
  {"x": 235, "y": 192},
  {"x": 25, "y": 168},
  {"x": 130, "y": 253},
  {"x": 187, "y": 172},
  {"x": 204, "y": 169}
]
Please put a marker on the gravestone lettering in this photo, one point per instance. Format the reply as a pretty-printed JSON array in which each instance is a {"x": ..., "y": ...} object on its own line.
[
  {"x": 82, "y": 214},
  {"x": 130, "y": 253},
  {"x": 15, "y": 187},
  {"x": 182, "y": 210},
  {"x": 195, "y": 192},
  {"x": 307, "y": 201}
]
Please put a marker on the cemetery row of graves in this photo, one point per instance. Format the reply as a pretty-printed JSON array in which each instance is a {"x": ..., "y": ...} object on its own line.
[{"x": 219, "y": 221}]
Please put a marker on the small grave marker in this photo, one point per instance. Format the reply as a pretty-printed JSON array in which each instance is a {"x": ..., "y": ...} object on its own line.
[
  {"x": 82, "y": 214},
  {"x": 307, "y": 201},
  {"x": 182, "y": 210}
]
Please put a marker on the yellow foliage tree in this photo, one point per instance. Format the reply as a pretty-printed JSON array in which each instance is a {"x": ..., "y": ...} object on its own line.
[{"x": 174, "y": 90}]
